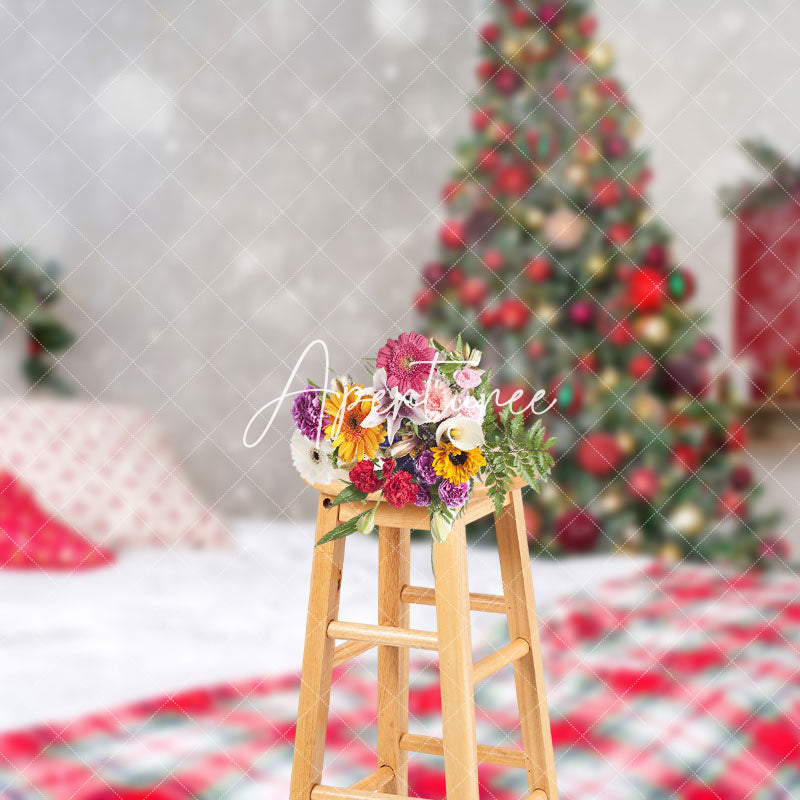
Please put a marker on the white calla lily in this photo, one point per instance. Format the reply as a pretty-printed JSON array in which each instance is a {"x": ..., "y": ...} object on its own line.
[{"x": 463, "y": 432}]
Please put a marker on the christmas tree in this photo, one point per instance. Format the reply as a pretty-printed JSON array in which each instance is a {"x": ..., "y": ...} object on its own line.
[{"x": 552, "y": 262}]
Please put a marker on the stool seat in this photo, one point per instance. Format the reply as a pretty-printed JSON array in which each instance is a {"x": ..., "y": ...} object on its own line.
[
  {"x": 452, "y": 641},
  {"x": 479, "y": 505}
]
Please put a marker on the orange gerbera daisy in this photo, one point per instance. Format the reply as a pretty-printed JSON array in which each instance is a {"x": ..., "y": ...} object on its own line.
[{"x": 347, "y": 410}]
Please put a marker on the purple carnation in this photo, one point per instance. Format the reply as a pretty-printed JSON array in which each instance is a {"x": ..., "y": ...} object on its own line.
[
  {"x": 423, "y": 466},
  {"x": 307, "y": 410},
  {"x": 454, "y": 495},
  {"x": 423, "y": 496}
]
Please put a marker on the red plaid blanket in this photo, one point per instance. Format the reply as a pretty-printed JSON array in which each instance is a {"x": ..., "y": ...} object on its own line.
[{"x": 680, "y": 684}]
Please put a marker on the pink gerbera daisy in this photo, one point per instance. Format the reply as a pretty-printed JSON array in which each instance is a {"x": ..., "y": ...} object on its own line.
[{"x": 408, "y": 361}]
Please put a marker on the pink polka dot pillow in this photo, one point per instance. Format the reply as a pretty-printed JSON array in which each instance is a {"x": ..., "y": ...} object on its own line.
[
  {"x": 31, "y": 538},
  {"x": 108, "y": 471}
]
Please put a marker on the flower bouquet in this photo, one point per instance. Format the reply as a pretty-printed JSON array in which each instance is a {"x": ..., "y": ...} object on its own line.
[{"x": 421, "y": 435}]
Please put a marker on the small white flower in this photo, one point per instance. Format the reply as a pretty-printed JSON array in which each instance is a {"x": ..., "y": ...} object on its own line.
[
  {"x": 461, "y": 431},
  {"x": 313, "y": 463}
]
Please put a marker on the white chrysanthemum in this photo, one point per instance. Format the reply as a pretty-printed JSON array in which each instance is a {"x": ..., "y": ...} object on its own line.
[{"x": 312, "y": 462}]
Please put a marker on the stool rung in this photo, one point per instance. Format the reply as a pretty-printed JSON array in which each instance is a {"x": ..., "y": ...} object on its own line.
[
  {"x": 383, "y": 634},
  {"x": 344, "y": 652},
  {"x": 432, "y": 745},
  {"x": 375, "y": 781},
  {"x": 513, "y": 651},
  {"x": 320, "y": 792},
  {"x": 421, "y": 596}
]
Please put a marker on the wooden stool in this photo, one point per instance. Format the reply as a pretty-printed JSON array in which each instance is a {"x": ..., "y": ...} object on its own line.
[{"x": 453, "y": 641}]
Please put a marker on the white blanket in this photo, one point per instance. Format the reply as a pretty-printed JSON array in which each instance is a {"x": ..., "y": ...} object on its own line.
[{"x": 162, "y": 620}]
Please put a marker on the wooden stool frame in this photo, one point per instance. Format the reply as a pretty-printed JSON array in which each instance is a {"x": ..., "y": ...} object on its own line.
[{"x": 452, "y": 640}]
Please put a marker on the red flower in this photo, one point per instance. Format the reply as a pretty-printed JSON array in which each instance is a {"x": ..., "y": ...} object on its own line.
[
  {"x": 399, "y": 490},
  {"x": 364, "y": 478},
  {"x": 387, "y": 468}
]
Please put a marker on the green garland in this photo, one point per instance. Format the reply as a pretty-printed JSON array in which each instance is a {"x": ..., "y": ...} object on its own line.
[
  {"x": 781, "y": 181},
  {"x": 28, "y": 289}
]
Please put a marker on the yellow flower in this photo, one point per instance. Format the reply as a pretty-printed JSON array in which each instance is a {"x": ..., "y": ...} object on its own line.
[
  {"x": 457, "y": 466},
  {"x": 347, "y": 409}
]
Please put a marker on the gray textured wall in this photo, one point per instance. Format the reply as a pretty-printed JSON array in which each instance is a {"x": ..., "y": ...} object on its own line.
[{"x": 225, "y": 181}]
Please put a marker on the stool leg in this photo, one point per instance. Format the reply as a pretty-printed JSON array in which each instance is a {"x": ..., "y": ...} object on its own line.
[
  {"x": 515, "y": 569},
  {"x": 393, "y": 574},
  {"x": 455, "y": 666},
  {"x": 315, "y": 683}
]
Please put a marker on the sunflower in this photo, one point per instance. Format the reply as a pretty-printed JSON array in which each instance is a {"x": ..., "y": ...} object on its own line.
[
  {"x": 347, "y": 410},
  {"x": 456, "y": 466}
]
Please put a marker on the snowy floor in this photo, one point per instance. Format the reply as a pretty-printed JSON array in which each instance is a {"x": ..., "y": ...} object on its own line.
[{"x": 162, "y": 620}]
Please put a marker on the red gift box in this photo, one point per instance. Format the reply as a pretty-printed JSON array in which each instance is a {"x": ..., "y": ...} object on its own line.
[{"x": 767, "y": 304}]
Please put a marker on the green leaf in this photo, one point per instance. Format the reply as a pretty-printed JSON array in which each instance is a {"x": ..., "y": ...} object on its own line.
[
  {"x": 344, "y": 529},
  {"x": 348, "y": 495}
]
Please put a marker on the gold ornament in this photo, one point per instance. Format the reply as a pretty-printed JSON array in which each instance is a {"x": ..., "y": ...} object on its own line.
[
  {"x": 596, "y": 264},
  {"x": 564, "y": 229},
  {"x": 647, "y": 408},
  {"x": 534, "y": 218},
  {"x": 644, "y": 217},
  {"x": 631, "y": 539},
  {"x": 687, "y": 519},
  {"x": 609, "y": 378},
  {"x": 513, "y": 49},
  {"x": 588, "y": 99},
  {"x": 626, "y": 442},
  {"x": 576, "y": 175},
  {"x": 546, "y": 313},
  {"x": 601, "y": 56},
  {"x": 653, "y": 329},
  {"x": 633, "y": 126},
  {"x": 610, "y": 502},
  {"x": 671, "y": 553},
  {"x": 549, "y": 493}
]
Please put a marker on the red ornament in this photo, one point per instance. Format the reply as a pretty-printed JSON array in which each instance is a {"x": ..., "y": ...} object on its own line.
[
  {"x": 732, "y": 504},
  {"x": 549, "y": 13},
  {"x": 452, "y": 234},
  {"x": 455, "y": 277},
  {"x": 560, "y": 92},
  {"x": 451, "y": 191},
  {"x": 620, "y": 234},
  {"x": 539, "y": 269},
  {"x": 736, "y": 436},
  {"x": 481, "y": 118},
  {"x": 686, "y": 457},
  {"x": 582, "y": 313},
  {"x": 741, "y": 477},
  {"x": 621, "y": 334},
  {"x": 646, "y": 289},
  {"x": 641, "y": 366},
  {"x": 587, "y": 25},
  {"x": 535, "y": 349},
  {"x": 606, "y": 193},
  {"x": 644, "y": 483},
  {"x": 607, "y": 125},
  {"x": 494, "y": 260},
  {"x": 587, "y": 363},
  {"x": 656, "y": 256},
  {"x": 488, "y": 160},
  {"x": 617, "y": 147},
  {"x": 473, "y": 292},
  {"x": 577, "y": 531},
  {"x": 490, "y": 33},
  {"x": 599, "y": 454},
  {"x": 513, "y": 181},
  {"x": 521, "y": 17},
  {"x": 507, "y": 80},
  {"x": 433, "y": 272},
  {"x": 424, "y": 300},
  {"x": 486, "y": 70},
  {"x": 520, "y": 404},
  {"x": 487, "y": 319},
  {"x": 513, "y": 314}
]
